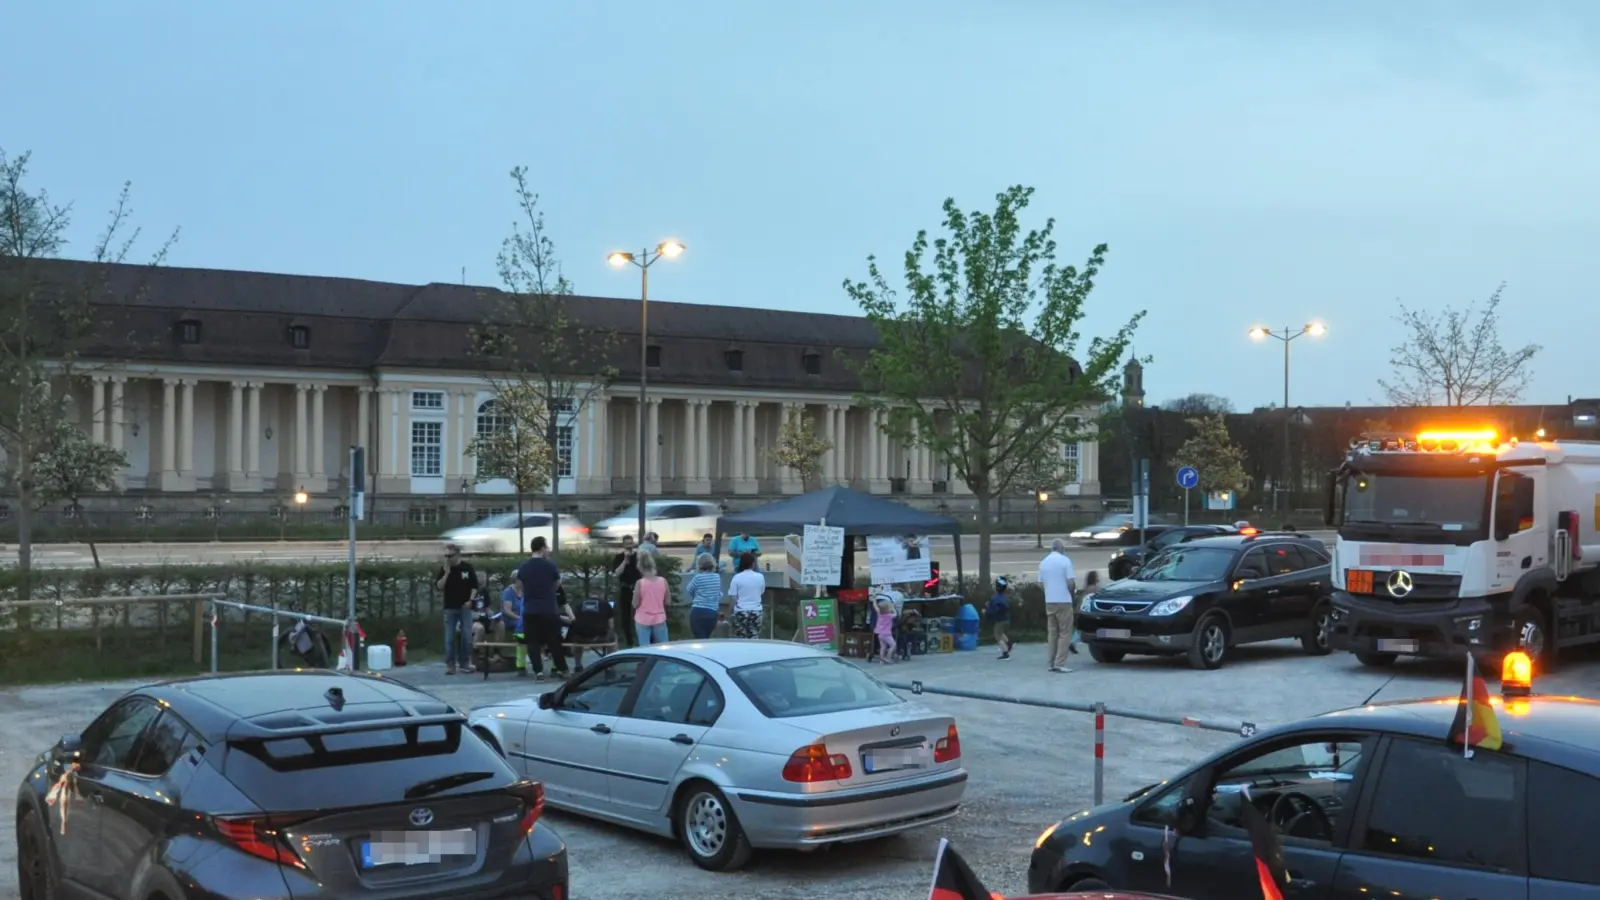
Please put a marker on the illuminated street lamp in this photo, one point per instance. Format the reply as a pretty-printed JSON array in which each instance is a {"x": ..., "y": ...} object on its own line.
[
  {"x": 1038, "y": 517},
  {"x": 301, "y": 498},
  {"x": 1286, "y": 336},
  {"x": 644, "y": 259}
]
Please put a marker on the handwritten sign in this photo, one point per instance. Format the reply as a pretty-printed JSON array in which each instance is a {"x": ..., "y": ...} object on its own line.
[
  {"x": 899, "y": 559},
  {"x": 823, "y": 552}
]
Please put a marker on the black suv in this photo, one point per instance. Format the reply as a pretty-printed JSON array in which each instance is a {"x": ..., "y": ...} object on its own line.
[
  {"x": 1202, "y": 597},
  {"x": 1369, "y": 803},
  {"x": 1127, "y": 560},
  {"x": 306, "y": 784}
]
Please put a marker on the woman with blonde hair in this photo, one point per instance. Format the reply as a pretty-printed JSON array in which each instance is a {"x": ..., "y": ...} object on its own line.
[
  {"x": 650, "y": 603},
  {"x": 704, "y": 593}
]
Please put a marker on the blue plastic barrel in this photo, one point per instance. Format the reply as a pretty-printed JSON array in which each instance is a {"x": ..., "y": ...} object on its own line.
[{"x": 967, "y": 628}]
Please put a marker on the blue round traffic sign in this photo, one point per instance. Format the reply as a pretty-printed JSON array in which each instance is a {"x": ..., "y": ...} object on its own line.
[{"x": 1188, "y": 477}]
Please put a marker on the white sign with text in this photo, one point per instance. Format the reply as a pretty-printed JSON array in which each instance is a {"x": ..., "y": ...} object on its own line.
[
  {"x": 823, "y": 553},
  {"x": 899, "y": 559}
]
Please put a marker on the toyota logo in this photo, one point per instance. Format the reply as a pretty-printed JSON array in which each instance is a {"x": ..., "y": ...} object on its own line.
[
  {"x": 421, "y": 816},
  {"x": 1400, "y": 583}
]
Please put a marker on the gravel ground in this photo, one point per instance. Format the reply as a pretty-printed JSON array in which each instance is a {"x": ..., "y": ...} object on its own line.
[{"x": 1029, "y": 766}]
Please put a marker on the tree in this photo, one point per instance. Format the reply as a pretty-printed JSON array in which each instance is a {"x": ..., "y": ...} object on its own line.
[
  {"x": 800, "y": 448},
  {"x": 1214, "y": 455},
  {"x": 542, "y": 364},
  {"x": 44, "y": 314},
  {"x": 73, "y": 466},
  {"x": 979, "y": 361},
  {"x": 1456, "y": 358},
  {"x": 1199, "y": 405}
]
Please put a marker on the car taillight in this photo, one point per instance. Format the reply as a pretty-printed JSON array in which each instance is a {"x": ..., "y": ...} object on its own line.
[
  {"x": 258, "y": 837},
  {"x": 532, "y": 795},
  {"x": 815, "y": 763},
  {"x": 948, "y": 747}
]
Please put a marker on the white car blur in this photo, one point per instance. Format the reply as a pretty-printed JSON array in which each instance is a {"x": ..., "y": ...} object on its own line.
[
  {"x": 1108, "y": 530},
  {"x": 681, "y": 522},
  {"x": 498, "y": 534},
  {"x": 729, "y": 745}
]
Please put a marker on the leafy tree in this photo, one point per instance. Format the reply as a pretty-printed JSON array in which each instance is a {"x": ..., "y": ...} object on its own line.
[
  {"x": 800, "y": 448},
  {"x": 1213, "y": 452},
  {"x": 73, "y": 466},
  {"x": 1456, "y": 358},
  {"x": 1199, "y": 405},
  {"x": 542, "y": 363},
  {"x": 980, "y": 359},
  {"x": 45, "y": 311}
]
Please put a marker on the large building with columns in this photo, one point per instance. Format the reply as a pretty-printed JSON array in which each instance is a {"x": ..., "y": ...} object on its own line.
[{"x": 254, "y": 386}]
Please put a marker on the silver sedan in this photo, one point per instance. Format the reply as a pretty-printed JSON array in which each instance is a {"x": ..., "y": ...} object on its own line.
[{"x": 729, "y": 745}]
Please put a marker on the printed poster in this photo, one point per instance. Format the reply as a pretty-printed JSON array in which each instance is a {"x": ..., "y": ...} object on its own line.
[
  {"x": 818, "y": 615},
  {"x": 899, "y": 559}
]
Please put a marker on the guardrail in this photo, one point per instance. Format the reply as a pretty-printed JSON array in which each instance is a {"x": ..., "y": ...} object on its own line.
[
  {"x": 199, "y": 600},
  {"x": 346, "y": 627},
  {"x": 1097, "y": 709}
]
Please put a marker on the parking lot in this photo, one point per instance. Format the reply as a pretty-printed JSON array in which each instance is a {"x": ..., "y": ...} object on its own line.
[{"x": 1029, "y": 766}]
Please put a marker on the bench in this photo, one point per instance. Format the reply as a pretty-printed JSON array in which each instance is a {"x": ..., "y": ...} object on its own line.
[{"x": 600, "y": 648}]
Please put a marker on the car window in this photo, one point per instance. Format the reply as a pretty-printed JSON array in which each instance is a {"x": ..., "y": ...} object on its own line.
[
  {"x": 602, "y": 691},
  {"x": 708, "y": 705},
  {"x": 1312, "y": 556},
  {"x": 669, "y": 692},
  {"x": 1187, "y": 563},
  {"x": 810, "y": 685},
  {"x": 1167, "y": 538},
  {"x": 1162, "y": 810},
  {"x": 1560, "y": 834},
  {"x": 1437, "y": 805},
  {"x": 163, "y": 744},
  {"x": 110, "y": 741},
  {"x": 1302, "y": 789},
  {"x": 1254, "y": 558},
  {"x": 535, "y": 520},
  {"x": 1282, "y": 559}
]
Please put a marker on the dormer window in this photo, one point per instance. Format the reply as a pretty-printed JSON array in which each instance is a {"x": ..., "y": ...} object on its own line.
[
  {"x": 652, "y": 356},
  {"x": 188, "y": 331},
  {"x": 300, "y": 337},
  {"x": 735, "y": 358},
  {"x": 812, "y": 360}
]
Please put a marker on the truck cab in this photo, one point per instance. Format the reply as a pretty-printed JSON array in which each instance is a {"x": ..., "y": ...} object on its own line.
[{"x": 1458, "y": 541}]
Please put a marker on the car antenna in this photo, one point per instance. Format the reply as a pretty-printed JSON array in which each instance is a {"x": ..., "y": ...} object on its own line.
[{"x": 1375, "y": 693}]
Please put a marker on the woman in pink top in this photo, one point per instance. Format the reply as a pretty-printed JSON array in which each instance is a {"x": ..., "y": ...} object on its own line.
[{"x": 650, "y": 603}]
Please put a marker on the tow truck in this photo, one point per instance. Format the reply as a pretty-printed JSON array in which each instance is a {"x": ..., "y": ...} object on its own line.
[{"x": 1458, "y": 541}]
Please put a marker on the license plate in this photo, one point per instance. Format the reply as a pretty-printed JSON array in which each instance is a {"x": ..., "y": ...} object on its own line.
[
  {"x": 417, "y": 848},
  {"x": 1393, "y": 645},
  {"x": 891, "y": 760},
  {"x": 1114, "y": 633}
]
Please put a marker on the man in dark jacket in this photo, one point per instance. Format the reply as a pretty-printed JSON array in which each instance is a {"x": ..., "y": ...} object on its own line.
[{"x": 625, "y": 568}]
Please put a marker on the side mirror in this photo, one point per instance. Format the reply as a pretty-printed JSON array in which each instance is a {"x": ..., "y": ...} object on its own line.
[
  {"x": 547, "y": 700},
  {"x": 1192, "y": 808},
  {"x": 69, "y": 746}
]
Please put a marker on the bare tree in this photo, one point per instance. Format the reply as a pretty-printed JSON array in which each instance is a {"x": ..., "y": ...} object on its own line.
[
  {"x": 542, "y": 363},
  {"x": 1199, "y": 405},
  {"x": 1456, "y": 358}
]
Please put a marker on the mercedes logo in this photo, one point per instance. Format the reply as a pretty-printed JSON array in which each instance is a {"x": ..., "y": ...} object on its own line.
[
  {"x": 421, "y": 816},
  {"x": 1400, "y": 583}
]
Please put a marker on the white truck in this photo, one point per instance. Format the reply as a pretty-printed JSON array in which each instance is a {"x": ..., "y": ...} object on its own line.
[{"x": 1452, "y": 541}]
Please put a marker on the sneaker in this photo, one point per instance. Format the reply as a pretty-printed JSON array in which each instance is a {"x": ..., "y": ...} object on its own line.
[
  {"x": 1005, "y": 656},
  {"x": 562, "y": 675},
  {"x": 449, "y": 670},
  {"x": 1063, "y": 670},
  {"x": 538, "y": 676},
  {"x": 470, "y": 669},
  {"x": 1057, "y": 669},
  {"x": 1072, "y": 648}
]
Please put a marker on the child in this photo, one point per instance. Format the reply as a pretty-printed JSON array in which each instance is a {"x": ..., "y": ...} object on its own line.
[
  {"x": 1091, "y": 580},
  {"x": 999, "y": 613},
  {"x": 511, "y": 615},
  {"x": 884, "y": 630}
]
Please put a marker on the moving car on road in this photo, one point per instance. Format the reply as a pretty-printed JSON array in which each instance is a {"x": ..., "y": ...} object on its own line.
[
  {"x": 499, "y": 534},
  {"x": 678, "y": 522},
  {"x": 298, "y": 785},
  {"x": 729, "y": 745},
  {"x": 1202, "y": 597}
]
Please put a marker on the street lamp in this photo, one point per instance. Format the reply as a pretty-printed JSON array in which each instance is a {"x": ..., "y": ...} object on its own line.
[
  {"x": 1038, "y": 517},
  {"x": 644, "y": 259},
  {"x": 1286, "y": 336},
  {"x": 301, "y": 498}
]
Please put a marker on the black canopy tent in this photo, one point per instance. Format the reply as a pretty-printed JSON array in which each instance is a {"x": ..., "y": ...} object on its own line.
[{"x": 859, "y": 514}]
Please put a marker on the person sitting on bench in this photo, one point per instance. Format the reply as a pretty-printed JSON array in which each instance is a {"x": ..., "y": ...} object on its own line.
[{"x": 593, "y": 622}]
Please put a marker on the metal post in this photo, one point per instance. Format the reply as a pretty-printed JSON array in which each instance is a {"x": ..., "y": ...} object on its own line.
[
  {"x": 644, "y": 367},
  {"x": 213, "y": 638},
  {"x": 1186, "y": 506},
  {"x": 1284, "y": 468},
  {"x": 274, "y": 643},
  {"x": 1099, "y": 753},
  {"x": 357, "y": 465},
  {"x": 1038, "y": 523}
]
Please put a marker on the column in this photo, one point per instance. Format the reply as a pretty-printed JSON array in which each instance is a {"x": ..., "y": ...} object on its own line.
[
  {"x": 788, "y": 479},
  {"x": 186, "y": 430},
  {"x": 319, "y": 449},
  {"x": 363, "y": 415},
  {"x": 920, "y": 482},
  {"x": 452, "y": 462},
  {"x": 236, "y": 435},
  {"x": 252, "y": 461},
  {"x": 702, "y": 463},
  {"x": 878, "y": 453},
  {"x": 842, "y": 452},
  {"x": 832, "y": 454},
  {"x": 390, "y": 423},
  {"x": 652, "y": 447},
  {"x": 1089, "y": 469},
  {"x": 169, "y": 431},
  {"x": 300, "y": 435},
  {"x": 744, "y": 453},
  {"x": 117, "y": 382},
  {"x": 686, "y": 447},
  {"x": 736, "y": 444},
  {"x": 595, "y": 451},
  {"x": 97, "y": 409}
]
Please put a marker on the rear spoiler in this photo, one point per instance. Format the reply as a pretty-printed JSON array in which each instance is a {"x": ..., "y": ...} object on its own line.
[{"x": 248, "y": 730}]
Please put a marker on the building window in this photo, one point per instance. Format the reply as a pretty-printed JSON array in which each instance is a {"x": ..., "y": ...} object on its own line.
[
  {"x": 564, "y": 451},
  {"x": 812, "y": 360},
  {"x": 300, "y": 337},
  {"x": 735, "y": 360},
  {"x": 1072, "y": 456},
  {"x": 652, "y": 356},
  {"x": 188, "y": 331},
  {"x": 423, "y": 515},
  {"x": 427, "y": 399},
  {"x": 427, "y": 449},
  {"x": 567, "y": 405},
  {"x": 491, "y": 419}
]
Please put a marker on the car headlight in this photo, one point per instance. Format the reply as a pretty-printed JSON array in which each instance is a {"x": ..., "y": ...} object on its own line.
[
  {"x": 1170, "y": 606},
  {"x": 1045, "y": 836},
  {"x": 1084, "y": 604}
]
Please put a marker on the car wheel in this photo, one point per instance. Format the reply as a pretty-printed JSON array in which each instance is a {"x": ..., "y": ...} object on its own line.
[
  {"x": 1534, "y": 639},
  {"x": 709, "y": 830},
  {"x": 1105, "y": 654},
  {"x": 1315, "y": 640},
  {"x": 1210, "y": 645},
  {"x": 1377, "y": 660},
  {"x": 36, "y": 879},
  {"x": 1086, "y": 884}
]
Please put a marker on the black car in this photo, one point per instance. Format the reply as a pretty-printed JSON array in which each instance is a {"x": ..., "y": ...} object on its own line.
[
  {"x": 297, "y": 785},
  {"x": 1368, "y": 803},
  {"x": 1132, "y": 554},
  {"x": 1205, "y": 596}
]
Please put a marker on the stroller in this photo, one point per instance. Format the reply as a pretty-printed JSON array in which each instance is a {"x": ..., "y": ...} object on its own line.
[{"x": 307, "y": 642}]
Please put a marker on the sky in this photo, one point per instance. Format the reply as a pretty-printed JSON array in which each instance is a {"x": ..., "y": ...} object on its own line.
[{"x": 1248, "y": 162}]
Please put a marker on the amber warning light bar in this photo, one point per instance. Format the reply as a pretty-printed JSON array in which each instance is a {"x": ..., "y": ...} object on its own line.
[{"x": 1429, "y": 442}]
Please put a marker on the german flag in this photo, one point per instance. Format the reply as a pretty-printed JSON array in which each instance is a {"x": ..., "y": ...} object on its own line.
[
  {"x": 1475, "y": 724},
  {"x": 953, "y": 880},
  {"x": 1271, "y": 870}
]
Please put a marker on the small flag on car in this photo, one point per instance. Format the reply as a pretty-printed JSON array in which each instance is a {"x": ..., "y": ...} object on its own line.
[
  {"x": 953, "y": 879},
  {"x": 1270, "y": 868},
  {"x": 1475, "y": 724}
]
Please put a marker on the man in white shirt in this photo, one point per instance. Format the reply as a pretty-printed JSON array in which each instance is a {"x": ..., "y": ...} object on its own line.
[{"x": 1057, "y": 578}]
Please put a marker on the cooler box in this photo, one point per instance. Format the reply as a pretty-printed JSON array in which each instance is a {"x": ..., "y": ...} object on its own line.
[
  {"x": 379, "y": 658},
  {"x": 966, "y": 633}
]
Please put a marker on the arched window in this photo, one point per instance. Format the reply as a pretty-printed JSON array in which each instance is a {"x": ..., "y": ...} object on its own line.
[{"x": 490, "y": 419}]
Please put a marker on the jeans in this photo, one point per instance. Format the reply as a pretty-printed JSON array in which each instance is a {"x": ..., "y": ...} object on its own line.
[
  {"x": 650, "y": 634},
  {"x": 457, "y": 632},
  {"x": 541, "y": 634},
  {"x": 702, "y": 622}
]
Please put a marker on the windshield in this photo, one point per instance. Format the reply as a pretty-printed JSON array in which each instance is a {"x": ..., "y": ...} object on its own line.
[
  {"x": 1188, "y": 564},
  {"x": 1167, "y": 539},
  {"x": 651, "y": 510},
  {"x": 810, "y": 686},
  {"x": 1453, "y": 503}
]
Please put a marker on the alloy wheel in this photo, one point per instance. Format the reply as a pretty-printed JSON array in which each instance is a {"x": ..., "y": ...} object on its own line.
[
  {"x": 1214, "y": 643},
  {"x": 706, "y": 825},
  {"x": 1324, "y": 622}
]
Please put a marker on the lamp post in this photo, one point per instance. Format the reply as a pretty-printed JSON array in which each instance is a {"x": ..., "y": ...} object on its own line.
[
  {"x": 1038, "y": 517},
  {"x": 1286, "y": 337},
  {"x": 644, "y": 259}
]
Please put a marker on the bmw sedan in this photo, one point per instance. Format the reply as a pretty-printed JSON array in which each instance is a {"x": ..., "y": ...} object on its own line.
[
  {"x": 731, "y": 745},
  {"x": 272, "y": 786}
]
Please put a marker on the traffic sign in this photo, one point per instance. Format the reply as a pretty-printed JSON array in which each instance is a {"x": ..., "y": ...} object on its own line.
[{"x": 1188, "y": 477}]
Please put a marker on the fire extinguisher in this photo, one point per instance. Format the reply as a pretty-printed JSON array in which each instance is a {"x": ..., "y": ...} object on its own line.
[{"x": 400, "y": 649}]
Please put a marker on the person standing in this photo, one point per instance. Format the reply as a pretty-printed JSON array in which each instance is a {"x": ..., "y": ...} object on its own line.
[
  {"x": 707, "y": 545},
  {"x": 647, "y": 544},
  {"x": 1057, "y": 578},
  {"x": 742, "y": 544},
  {"x": 704, "y": 593},
  {"x": 625, "y": 568},
  {"x": 999, "y": 613},
  {"x": 541, "y": 611},
  {"x": 511, "y": 614},
  {"x": 459, "y": 582},
  {"x": 747, "y": 588},
  {"x": 650, "y": 603}
]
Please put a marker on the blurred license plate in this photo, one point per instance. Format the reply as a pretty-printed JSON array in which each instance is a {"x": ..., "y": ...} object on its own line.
[
  {"x": 417, "y": 848},
  {"x": 1114, "y": 633},
  {"x": 890, "y": 760},
  {"x": 1393, "y": 645}
]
